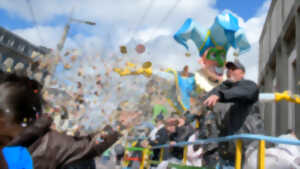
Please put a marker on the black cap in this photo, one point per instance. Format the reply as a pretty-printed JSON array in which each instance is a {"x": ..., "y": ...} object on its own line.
[{"x": 235, "y": 65}]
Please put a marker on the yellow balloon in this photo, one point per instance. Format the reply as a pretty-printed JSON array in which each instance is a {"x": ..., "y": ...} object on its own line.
[
  {"x": 123, "y": 49},
  {"x": 130, "y": 64},
  {"x": 125, "y": 72},
  {"x": 147, "y": 65},
  {"x": 117, "y": 70},
  {"x": 187, "y": 54}
]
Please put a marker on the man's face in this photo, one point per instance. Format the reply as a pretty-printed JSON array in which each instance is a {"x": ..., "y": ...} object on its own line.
[
  {"x": 171, "y": 128},
  {"x": 181, "y": 121},
  {"x": 235, "y": 74}
]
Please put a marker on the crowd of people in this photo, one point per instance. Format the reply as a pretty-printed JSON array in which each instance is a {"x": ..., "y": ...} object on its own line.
[
  {"x": 230, "y": 108},
  {"x": 29, "y": 140}
]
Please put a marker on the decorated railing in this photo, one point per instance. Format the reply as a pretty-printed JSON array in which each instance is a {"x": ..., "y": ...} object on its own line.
[{"x": 146, "y": 162}]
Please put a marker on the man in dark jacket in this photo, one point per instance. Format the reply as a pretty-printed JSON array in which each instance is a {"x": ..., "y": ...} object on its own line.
[
  {"x": 243, "y": 115},
  {"x": 183, "y": 131},
  {"x": 165, "y": 135}
]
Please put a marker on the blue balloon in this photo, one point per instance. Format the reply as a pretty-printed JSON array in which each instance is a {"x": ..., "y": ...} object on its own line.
[{"x": 225, "y": 32}]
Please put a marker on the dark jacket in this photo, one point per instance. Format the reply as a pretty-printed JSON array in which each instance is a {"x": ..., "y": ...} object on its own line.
[
  {"x": 3, "y": 163},
  {"x": 52, "y": 150},
  {"x": 242, "y": 116},
  {"x": 244, "y": 97},
  {"x": 82, "y": 164},
  {"x": 162, "y": 137},
  {"x": 182, "y": 134}
]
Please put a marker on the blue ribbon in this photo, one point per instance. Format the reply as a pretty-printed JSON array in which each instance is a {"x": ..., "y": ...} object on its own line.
[{"x": 233, "y": 137}]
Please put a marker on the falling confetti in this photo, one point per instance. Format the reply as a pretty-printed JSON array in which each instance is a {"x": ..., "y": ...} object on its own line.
[
  {"x": 67, "y": 66},
  {"x": 188, "y": 54},
  {"x": 123, "y": 49},
  {"x": 140, "y": 48}
]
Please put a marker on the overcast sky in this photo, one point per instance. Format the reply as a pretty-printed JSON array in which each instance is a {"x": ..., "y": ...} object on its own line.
[
  {"x": 120, "y": 22},
  {"x": 128, "y": 22}
]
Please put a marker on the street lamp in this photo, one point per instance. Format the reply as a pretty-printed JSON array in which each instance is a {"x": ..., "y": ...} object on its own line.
[
  {"x": 60, "y": 45},
  {"x": 81, "y": 21}
]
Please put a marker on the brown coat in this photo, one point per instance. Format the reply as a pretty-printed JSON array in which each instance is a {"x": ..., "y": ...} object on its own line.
[
  {"x": 3, "y": 163},
  {"x": 52, "y": 150}
]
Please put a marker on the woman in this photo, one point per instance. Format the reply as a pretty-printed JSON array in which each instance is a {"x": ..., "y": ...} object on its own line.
[{"x": 25, "y": 132}]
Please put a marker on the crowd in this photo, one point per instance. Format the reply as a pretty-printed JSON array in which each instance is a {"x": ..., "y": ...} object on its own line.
[
  {"x": 230, "y": 108},
  {"x": 29, "y": 140}
]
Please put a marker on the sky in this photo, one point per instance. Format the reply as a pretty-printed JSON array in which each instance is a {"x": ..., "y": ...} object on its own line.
[
  {"x": 245, "y": 9},
  {"x": 129, "y": 22}
]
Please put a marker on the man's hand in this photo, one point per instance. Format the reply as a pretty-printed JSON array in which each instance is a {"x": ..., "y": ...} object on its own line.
[
  {"x": 130, "y": 120},
  {"x": 172, "y": 143},
  {"x": 211, "y": 100},
  {"x": 145, "y": 143}
]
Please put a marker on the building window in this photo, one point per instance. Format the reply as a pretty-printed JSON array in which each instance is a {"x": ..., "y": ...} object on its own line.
[
  {"x": 25, "y": 50},
  {"x": 5, "y": 39},
  {"x": 1, "y": 37},
  {"x": 11, "y": 43},
  {"x": 21, "y": 48},
  {"x": 29, "y": 52}
]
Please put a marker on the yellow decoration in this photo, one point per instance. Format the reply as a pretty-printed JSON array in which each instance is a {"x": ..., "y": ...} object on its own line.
[
  {"x": 261, "y": 154},
  {"x": 286, "y": 95},
  {"x": 147, "y": 65},
  {"x": 185, "y": 150},
  {"x": 131, "y": 69},
  {"x": 205, "y": 40},
  {"x": 144, "y": 158},
  {"x": 177, "y": 88},
  {"x": 130, "y": 64},
  {"x": 238, "y": 154},
  {"x": 125, "y": 162},
  {"x": 134, "y": 144},
  {"x": 161, "y": 155},
  {"x": 188, "y": 54}
]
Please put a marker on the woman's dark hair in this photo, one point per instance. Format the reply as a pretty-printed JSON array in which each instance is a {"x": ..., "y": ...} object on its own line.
[{"x": 20, "y": 98}]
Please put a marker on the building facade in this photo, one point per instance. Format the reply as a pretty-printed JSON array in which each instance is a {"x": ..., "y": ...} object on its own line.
[
  {"x": 16, "y": 52},
  {"x": 279, "y": 65}
]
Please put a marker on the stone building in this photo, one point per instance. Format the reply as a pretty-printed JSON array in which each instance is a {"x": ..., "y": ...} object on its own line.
[
  {"x": 16, "y": 52},
  {"x": 279, "y": 64}
]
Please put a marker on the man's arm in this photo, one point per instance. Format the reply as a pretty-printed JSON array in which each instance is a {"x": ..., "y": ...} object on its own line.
[
  {"x": 244, "y": 91},
  {"x": 228, "y": 92},
  {"x": 162, "y": 137}
]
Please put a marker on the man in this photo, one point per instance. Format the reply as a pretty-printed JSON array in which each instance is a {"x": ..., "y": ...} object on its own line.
[
  {"x": 183, "y": 131},
  {"x": 243, "y": 114},
  {"x": 159, "y": 123},
  {"x": 164, "y": 136}
]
